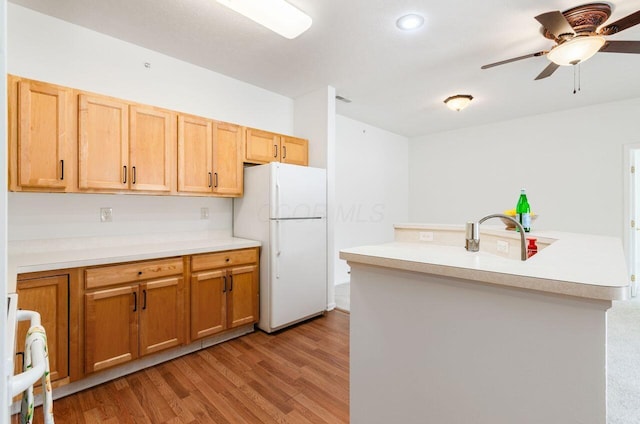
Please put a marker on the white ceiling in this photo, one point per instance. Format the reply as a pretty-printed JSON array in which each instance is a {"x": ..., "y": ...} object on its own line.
[{"x": 397, "y": 80}]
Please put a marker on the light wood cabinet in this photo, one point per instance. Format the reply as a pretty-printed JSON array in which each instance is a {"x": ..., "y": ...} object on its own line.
[
  {"x": 263, "y": 147},
  {"x": 111, "y": 327},
  {"x": 294, "y": 150},
  {"x": 49, "y": 296},
  {"x": 127, "y": 321},
  {"x": 152, "y": 138},
  {"x": 227, "y": 159},
  {"x": 224, "y": 291},
  {"x": 41, "y": 136},
  {"x": 103, "y": 143},
  {"x": 124, "y": 146},
  {"x": 209, "y": 157},
  {"x": 208, "y": 303}
]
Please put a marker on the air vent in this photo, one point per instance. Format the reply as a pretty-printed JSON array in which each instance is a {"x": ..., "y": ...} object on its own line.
[{"x": 343, "y": 99}]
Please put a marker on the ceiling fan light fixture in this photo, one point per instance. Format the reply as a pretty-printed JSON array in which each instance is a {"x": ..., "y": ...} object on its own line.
[
  {"x": 276, "y": 15},
  {"x": 458, "y": 102},
  {"x": 576, "y": 50}
]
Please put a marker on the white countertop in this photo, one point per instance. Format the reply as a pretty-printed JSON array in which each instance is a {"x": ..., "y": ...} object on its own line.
[
  {"x": 579, "y": 265},
  {"x": 52, "y": 254}
]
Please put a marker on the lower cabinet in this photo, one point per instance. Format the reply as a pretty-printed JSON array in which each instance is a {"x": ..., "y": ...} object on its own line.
[
  {"x": 224, "y": 291},
  {"x": 49, "y": 296},
  {"x": 103, "y": 316},
  {"x": 131, "y": 320}
]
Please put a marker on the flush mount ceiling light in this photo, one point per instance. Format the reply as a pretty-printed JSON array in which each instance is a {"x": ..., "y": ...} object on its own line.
[
  {"x": 409, "y": 22},
  {"x": 576, "y": 50},
  {"x": 458, "y": 102},
  {"x": 276, "y": 15}
]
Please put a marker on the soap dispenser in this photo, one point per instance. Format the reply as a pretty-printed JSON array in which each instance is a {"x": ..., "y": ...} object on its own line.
[{"x": 532, "y": 247}]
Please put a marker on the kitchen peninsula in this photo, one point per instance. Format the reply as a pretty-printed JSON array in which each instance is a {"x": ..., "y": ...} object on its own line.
[{"x": 439, "y": 334}]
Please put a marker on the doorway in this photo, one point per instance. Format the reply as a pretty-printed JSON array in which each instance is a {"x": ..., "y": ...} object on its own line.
[{"x": 632, "y": 214}]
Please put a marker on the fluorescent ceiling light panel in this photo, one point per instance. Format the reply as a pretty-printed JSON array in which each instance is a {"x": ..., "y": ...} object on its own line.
[{"x": 277, "y": 15}]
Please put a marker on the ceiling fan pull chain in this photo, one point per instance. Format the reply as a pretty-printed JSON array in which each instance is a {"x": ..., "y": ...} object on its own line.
[
  {"x": 579, "y": 76},
  {"x": 576, "y": 79}
]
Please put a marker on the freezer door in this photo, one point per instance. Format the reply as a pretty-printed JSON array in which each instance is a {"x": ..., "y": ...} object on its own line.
[
  {"x": 298, "y": 191},
  {"x": 298, "y": 275}
]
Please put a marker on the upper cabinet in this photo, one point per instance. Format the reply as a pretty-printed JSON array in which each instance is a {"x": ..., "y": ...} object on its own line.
[
  {"x": 41, "y": 136},
  {"x": 152, "y": 137},
  {"x": 123, "y": 146},
  {"x": 264, "y": 147},
  {"x": 209, "y": 157},
  {"x": 294, "y": 150},
  {"x": 103, "y": 143},
  {"x": 67, "y": 140}
]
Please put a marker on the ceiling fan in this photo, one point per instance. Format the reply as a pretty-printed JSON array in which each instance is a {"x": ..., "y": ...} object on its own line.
[{"x": 577, "y": 37}]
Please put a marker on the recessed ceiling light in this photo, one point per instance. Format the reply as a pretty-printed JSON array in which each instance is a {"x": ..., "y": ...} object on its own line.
[{"x": 410, "y": 21}]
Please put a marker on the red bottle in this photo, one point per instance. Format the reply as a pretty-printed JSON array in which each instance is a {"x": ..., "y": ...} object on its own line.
[{"x": 532, "y": 248}]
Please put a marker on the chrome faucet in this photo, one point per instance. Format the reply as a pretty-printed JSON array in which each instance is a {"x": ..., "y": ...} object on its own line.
[{"x": 472, "y": 243}]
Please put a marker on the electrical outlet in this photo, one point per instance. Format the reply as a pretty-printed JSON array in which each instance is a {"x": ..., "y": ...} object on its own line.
[
  {"x": 426, "y": 235},
  {"x": 106, "y": 214},
  {"x": 204, "y": 213},
  {"x": 502, "y": 246}
]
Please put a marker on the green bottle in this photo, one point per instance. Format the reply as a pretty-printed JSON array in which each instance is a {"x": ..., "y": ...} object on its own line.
[{"x": 523, "y": 212}]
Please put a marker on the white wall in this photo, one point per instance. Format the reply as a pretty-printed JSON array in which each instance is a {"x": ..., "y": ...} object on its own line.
[
  {"x": 570, "y": 162},
  {"x": 48, "y": 49},
  {"x": 315, "y": 119},
  {"x": 372, "y": 181},
  {"x": 60, "y": 215}
]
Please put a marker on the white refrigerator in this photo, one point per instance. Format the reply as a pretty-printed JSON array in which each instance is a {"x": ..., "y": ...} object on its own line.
[{"x": 284, "y": 207}]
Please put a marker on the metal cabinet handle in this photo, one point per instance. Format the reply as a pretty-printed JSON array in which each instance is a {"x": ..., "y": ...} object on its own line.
[
  {"x": 275, "y": 147},
  {"x": 135, "y": 301},
  {"x": 224, "y": 288},
  {"x": 133, "y": 180},
  {"x": 284, "y": 152},
  {"x": 144, "y": 299},
  {"x": 62, "y": 169},
  {"x": 215, "y": 174},
  {"x": 124, "y": 172},
  {"x": 210, "y": 183},
  {"x": 231, "y": 279}
]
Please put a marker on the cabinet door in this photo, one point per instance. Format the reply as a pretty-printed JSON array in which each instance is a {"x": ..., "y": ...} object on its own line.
[
  {"x": 43, "y": 135},
  {"x": 103, "y": 143},
  {"x": 195, "y": 167},
  {"x": 151, "y": 141},
  {"x": 49, "y": 296},
  {"x": 161, "y": 315},
  {"x": 111, "y": 327},
  {"x": 208, "y": 303},
  {"x": 227, "y": 159},
  {"x": 261, "y": 146},
  {"x": 243, "y": 296},
  {"x": 294, "y": 150}
]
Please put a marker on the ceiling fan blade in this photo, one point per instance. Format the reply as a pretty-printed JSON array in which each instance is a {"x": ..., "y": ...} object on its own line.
[
  {"x": 550, "y": 69},
  {"x": 502, "y": 62},
  {"x": 621, "y": 24},
  {"x": 555, "y": 23},
  {"x": 621, "y": 47}
]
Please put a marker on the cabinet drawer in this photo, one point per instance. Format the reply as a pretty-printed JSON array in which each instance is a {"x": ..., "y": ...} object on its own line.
[
  {"x": 126, "y": 273},
  {"x": 224, "y": 259}
]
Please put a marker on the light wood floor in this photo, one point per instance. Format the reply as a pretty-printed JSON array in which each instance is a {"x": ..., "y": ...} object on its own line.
[{"x": 299, "y": 375}]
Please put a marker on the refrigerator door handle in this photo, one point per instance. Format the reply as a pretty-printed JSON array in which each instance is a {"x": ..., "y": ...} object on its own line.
[
  {"x": 277, "y": 200},
  {"x": 277, "y": 249}
]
